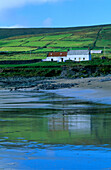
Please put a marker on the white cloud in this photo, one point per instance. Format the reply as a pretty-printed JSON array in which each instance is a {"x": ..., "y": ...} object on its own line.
[
  {"x": 16, "y": 26},
  {"x": 13, "y": 26},
  {"x": 5, "y": 4},
  {"x": 47, "y": 22}
]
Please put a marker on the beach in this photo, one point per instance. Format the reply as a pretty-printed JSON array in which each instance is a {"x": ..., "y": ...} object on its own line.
[
  {"x": 89, "y": 83},
  {"x": 95, "y": 89},
  {"x": 56, "y": 83},
  {"x": 90, "y": 89}
]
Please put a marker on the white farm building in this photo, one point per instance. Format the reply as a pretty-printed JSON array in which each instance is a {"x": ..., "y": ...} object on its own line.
[
  {"x": 79, "y": 55},
  {"x": 56, "y": 56},
  {"x": 74, "y": 55},
  {"x": 96, "y": 51}
]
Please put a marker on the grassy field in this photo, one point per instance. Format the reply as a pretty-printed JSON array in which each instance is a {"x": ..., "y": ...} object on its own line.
[
  {"x": 72, "y": 44},
  {"x": 96, "y": 67},
  {"x": 56, "y": 37},
  {"x": 36, "y": 43},
  {"x": 16, "y": 49},
  {"x": 22, "y": 56},
  {"x": 95, "y": 62},
  {"x": 42, "y": 41}
]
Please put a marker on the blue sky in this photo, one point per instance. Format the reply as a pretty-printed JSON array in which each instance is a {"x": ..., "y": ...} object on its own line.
[{"x": 54, "y": 13}]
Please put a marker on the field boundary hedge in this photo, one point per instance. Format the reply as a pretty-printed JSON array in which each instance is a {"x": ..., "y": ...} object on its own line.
[{"x": 20, "y": 61}]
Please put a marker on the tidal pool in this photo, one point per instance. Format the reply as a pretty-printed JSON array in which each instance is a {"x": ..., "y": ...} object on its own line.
[{"x": 40, "y": 130}]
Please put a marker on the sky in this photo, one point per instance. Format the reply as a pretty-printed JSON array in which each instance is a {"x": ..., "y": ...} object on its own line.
[{"x": 54, "y": 13}]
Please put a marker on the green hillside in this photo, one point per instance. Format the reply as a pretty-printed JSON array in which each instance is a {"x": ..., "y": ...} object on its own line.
[{"x": 35, "y": 43}]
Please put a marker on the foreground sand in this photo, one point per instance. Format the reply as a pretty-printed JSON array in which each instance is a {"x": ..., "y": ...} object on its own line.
[
  {"x": 97, "y": 89},
  {"x": 89, "y": 83},
  {"x": 56, "y": 83},
  {"x": 90, "y": 89}
]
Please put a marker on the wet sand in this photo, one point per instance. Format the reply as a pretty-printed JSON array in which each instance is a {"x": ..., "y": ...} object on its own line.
[
  {"x": 89, "y": 83},
  {"x": 90, "y": 89},
  {"x": 89, "y": 95},
  {"x": 94, "y": 89},
  {"x": 56, "y": 83}
]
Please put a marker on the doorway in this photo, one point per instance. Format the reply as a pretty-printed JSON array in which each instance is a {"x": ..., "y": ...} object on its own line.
[{"x": 62, "y": 60}]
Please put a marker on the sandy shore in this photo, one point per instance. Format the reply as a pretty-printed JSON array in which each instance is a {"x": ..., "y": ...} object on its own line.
[
  {"x": 56, "y": 83},
  {"x": 90, "y": 95},
  {"x": 90, "y": 89},
  {"x": 95, "y": 89},
  {"x": 88, "y": 83}
]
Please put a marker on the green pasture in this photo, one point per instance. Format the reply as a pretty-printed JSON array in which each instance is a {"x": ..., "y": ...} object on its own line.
[
  {"x": 103, "y": 43},
  {"x": 108, "y": 55},
  {"x": 86, "y": 31},
  {"x": 38, "y": 64},
  {"x": 71, "y": 44},
  {"x": 11, "y": 44},
  {"x": 38, "y": 38},
  {"x": 83, "y": 36},
  {"x": 16, "y": 39},
  {"x": 15, "y": 49},
  {"x": 50, "y": 50},
  {"x": 72, "y": 38},
  {"x": 108, "y": 27},
  {"x": 79, "y": 38},
  {"x": 14, "y": 42},
  {"x": 56, "y": 37},
  {"x": 2, "y": 43},
  {"x": 42, "y": 65},
  {"x": 36, "y": 44},
  {"x": 104, "y": 39},
  {"x": 23, "y": 56}
]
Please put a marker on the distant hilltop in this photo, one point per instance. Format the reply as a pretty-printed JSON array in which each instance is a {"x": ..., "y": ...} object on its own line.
[{"x": 10, "y": 32}]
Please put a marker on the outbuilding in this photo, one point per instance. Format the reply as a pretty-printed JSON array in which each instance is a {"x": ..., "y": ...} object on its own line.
[{"x": 96, "y": 51}]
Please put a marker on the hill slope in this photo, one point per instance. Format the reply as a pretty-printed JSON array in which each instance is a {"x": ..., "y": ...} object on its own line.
[{"x": 33, "y": 43}]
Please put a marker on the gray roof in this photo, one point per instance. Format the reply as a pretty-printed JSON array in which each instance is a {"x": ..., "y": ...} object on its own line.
[{"x": 78, "y": 52}]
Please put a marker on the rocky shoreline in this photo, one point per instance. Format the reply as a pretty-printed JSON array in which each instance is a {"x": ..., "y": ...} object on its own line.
[{"x": 38, "y": 83}]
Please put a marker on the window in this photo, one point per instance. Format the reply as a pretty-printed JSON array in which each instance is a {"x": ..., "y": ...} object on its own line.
[
  {"x": 83, "y": 58},
  {"x": 74, "y": 58},
  {"x": 51, "y": 59}
]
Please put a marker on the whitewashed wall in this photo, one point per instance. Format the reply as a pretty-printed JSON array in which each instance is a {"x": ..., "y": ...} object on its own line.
[
  {"x": 79, "y": 57},
  {"x": 58, "y": 59},
  {"x": 69, "y": 57}
]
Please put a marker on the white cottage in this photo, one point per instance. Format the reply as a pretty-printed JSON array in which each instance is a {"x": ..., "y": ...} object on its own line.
[
  {"x": 79, "y": 55},
  {"x": 56, "y": 56},
  {"x": 74, "y": 55}
]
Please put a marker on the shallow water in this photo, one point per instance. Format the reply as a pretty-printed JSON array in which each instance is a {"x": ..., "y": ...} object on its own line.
[{"x": 40, "y": 130}]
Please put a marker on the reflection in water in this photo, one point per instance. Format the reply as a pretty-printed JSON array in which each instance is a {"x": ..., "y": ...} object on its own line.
[
  {"x": 74, "y": 123},
  {"x": 62, "y": 134}
]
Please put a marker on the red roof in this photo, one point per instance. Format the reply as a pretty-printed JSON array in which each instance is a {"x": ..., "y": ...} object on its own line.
[{"x": 57, "y": 54}]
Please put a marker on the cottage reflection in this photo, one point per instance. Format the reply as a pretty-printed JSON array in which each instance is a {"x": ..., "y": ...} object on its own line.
[{"x": 71, "y": 123}]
